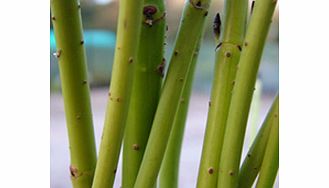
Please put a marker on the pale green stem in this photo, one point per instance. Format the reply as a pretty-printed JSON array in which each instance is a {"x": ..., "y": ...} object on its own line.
[
  {"x": 71, "y": 56},
  {"x": 227, "y": 58},
  {"x": 146, "y": 90},
  {"x": 270, "y": 164},
  {"x": 253, "y": 160},
  {"x": 130, "y": 20},
  {"x": 168, "y": 177},
  {"x": 190, "y": 30},
  {"x": 254, "y": 110},
  {"x": 242, "y": 93}
]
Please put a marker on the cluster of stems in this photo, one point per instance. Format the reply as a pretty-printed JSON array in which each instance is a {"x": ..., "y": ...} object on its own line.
[
  {"x": 252, "y": 49},
  {"x": 191, "y": 27},
  {"x": 129, "y": 24},
  {"x": 169, "y": 173},
  {"x": 227, "y": 58},
  {"x": 148, "y": 73}
]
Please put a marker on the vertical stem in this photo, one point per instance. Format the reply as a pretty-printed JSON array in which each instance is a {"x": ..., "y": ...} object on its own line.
[
  {"x": 242, "y": 93},
  {"x": 253, "y": 160},
  {"x": 254, "y": 111},
  {"x": 130, "y": 19},
  {"x": 270, "y": 164},
  {"x": 148, "y": 74},
  {"x": 189, "y": 32},
  {"x": 227, "y": 58},
  {"x": 169, "y": 172},
  {"x": 75, "y": 89}
]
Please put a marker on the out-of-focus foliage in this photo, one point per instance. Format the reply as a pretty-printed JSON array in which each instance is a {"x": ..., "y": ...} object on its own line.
[{"x": 101, "y": 15}]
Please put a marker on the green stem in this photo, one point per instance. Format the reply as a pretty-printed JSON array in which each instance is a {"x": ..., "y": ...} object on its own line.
[
  {"x": 270, "y": 164},
  {"x": 227, "y": 58},
  {"x": 189, "y": 32},
  {"x": 75, "y": 89},
  {"x": 253, "y": 160},
  {"x": 169, "y": 172},
  {"x": 254, "y": 111},
  {"x": 242, "y": 93},
  {"x": 130, "y": 19},
  {"x": 146, "y": 90}
]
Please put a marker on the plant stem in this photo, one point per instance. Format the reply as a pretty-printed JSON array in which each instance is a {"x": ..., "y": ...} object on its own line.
[
  {"x": 189, "y": 33},
  {"x": 227, "y": 58},
  {"x": 253, "y": 160},
  {"x": 169, "y": 171},
  {"x": 270, "y": 164},
  {"x": 242, "y": 93},
  {"x": 148, "y": 75},
  {"x": 75, "y": 89},
  {"x": 254, "y": 109},
  {"x": 130, "y": 19}
]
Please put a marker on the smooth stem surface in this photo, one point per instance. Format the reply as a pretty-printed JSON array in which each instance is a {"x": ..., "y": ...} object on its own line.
[
  {"x": 148, "y": 74},
  {"x": 75, "y": 89},
  {"x": 227, "y": 58},
  {"x": 168, "y": 177},
  {"x": 190, "y": 30},
  {"x": 130, "y": 19},
  {"x": 253, "y": 160},
  {"x": 242, "y": 92},
  {"x": 255, "y": 111},
  {"x": 270, "y": 163}
]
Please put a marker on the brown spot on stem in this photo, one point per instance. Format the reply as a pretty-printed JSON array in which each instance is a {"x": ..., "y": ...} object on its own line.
[
  {"x": 218, "y": 46},
  {"x": 255, "y": 168},
  {"x": 53, "y": 18},
  {"x": 135, "y": 147},
  {"x": 167, "y": 28},
  {"x": 78, "y": 116},
  {"x": 216, "y": 25},
  {"x": 109, "y": 93},
  {"x": 58, "y": 53},
  {"x": 84, "y": 82},
  {"x": 164, "y": 43},
  {"x": 206, "y": 13},
  {"x": 160, "y": 68},
  {"x": 275, "y": 115},
  {"x": 130, "y": 60},
  {"x": 249, "y": 155},
  {"x": 118, "y": 99},
  {"x": 252, "y": 7},
  {"x": 182, "y": 100},
  {"x": 228, "y": 54},
  {"x": 181, "y": 79},
  {"x": 149, "y": 10},
  {"x": 82, "y": 42},
  {"x": 239, "y": 47},
  {"x": 79, "y": 6},
  {"x": 176, "y": 53},
  {"x": 211, "y": 170},
  {"x": 233, "y": 83},
  {"x": 209, "y": 103},
  {"x": 74, "y": 172},
  {"x": 114, "y": 171},
  {"x": 231, "y": 173},
  {"x": 246, "y": 44}
]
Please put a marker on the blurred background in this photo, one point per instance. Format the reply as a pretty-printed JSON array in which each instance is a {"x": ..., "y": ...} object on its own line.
[{"x": 99, "y": 22}]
